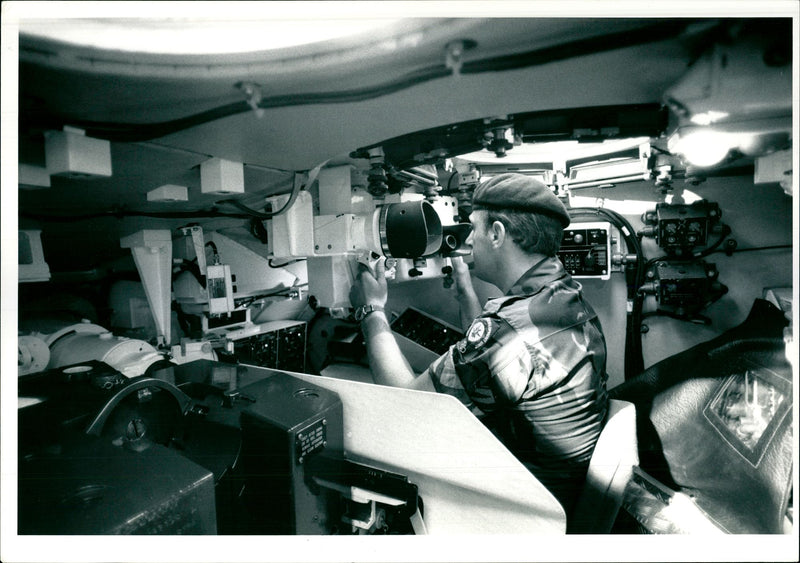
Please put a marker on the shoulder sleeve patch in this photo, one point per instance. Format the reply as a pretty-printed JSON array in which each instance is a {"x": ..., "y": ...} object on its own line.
[{"x": 480, "y": 332}]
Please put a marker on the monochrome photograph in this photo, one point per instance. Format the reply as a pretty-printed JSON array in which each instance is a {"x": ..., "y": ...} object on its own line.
[{"x": 519, "y": 277}]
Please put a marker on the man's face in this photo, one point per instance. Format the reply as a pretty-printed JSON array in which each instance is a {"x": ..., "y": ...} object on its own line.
[{"x": 482, "y": 252}]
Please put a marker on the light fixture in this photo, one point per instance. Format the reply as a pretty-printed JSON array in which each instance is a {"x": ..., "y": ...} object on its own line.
[
  {"x": 735, "y": 96},
  {"x": 708, "y": 117},
  {"x": 735, "y": 81},
  {"x": 701, "y": 147},
  {"x": 707, "y": 146}
]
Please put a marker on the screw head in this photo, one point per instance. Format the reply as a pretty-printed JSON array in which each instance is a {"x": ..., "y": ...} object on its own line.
[{"x": 136, "y": 429}]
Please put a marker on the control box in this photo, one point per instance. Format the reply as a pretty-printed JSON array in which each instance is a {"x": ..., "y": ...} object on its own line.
[
  {"x": 220, "y": 289},
  {"x": 586, "y": 250},
  {"x": 687, "y": 286},
  {"x": 423, "y": 338},
  {"x": 292, "y": 432},
  {"x": 682, "y": 227},
  {"x": 433, "y": 334},
  {"x": 276, "y": 344},
  {"x": 87, "y": 486}
]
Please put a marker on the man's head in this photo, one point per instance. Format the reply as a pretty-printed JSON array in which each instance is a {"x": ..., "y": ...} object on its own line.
[{"x": 514, "y": 214}]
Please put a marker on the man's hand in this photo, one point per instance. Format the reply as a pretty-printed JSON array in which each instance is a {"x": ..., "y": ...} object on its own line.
[
  {"x": 388, "y": 365},
  {"x": 461, "y": 274},
  {"x": 369, "y": 288}
]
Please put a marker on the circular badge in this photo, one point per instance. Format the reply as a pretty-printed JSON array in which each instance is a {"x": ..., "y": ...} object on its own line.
[{"x": 479, "y": 333}]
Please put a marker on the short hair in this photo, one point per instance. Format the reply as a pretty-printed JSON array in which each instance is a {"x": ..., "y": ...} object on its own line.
[{"x": 534, "y": 233}]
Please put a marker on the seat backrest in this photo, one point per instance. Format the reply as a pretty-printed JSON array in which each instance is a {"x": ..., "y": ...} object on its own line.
[{"x": 610, "y": 469}]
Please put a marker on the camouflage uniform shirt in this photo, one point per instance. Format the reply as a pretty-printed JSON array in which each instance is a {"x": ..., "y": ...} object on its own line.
[{"x": 532, "y": 368}]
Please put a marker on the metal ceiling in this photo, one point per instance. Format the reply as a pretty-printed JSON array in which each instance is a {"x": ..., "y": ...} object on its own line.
[{"x": 293, "y": 109}]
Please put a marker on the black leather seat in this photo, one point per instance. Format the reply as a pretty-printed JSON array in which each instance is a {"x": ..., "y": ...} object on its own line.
[{"x": 715, "y": 422}]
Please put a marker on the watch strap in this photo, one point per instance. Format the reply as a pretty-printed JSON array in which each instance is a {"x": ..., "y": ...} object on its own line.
[{"x": 364, "y": 310}]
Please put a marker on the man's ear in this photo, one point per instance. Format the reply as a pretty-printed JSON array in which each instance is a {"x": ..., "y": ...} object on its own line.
[{"x": 497, "y": 234}]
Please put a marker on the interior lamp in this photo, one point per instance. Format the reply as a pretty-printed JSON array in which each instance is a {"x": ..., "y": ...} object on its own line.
[
  {"x": 708, "y": 117},
  {"x": 702, "y": 147}
]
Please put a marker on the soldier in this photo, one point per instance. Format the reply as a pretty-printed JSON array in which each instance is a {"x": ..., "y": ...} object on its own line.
[{"x": 532, "y": 364}]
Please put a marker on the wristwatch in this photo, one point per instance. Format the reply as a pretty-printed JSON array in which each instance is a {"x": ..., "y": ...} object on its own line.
[{"x": 361, "y": 312}]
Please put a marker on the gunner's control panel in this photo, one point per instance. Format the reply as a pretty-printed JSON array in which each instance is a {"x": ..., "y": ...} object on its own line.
[{"x": 586, "y": 250}]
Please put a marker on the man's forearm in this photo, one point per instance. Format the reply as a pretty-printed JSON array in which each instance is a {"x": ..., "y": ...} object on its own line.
[
  {"x": 468, "y": 307},
  {"x": 388, "y": 365}
]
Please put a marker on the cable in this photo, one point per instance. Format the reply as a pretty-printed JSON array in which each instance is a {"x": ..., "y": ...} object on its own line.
[
  {"x": 717, "y": 251},
  {"x": 634, "y": 359},
  {"x": 249, "y": 211},
  {"x": 168, "y": 148},
  {"x": 193, "y": 268},
  {"x": 137, "y": 132},
  {"x": 698, "y": 319},
  {"x": 246, "y": 301},
  {"x": 618, "y": 220},
  {"x": 726, "y": 231},
  {"x": 660, "y": 150},
  {"x": 259, "y": 215},
  {"x": 258, "y": 231},
  {"x": 758, "y": 248},
  {"x": 631, "y": 240},
  {"x": 120, "y": 214},
  {"x": 271, "y": 265},
  {"x": 580, "y": 47},
  {"x": 213, "y": 247},
  {"x": 695, "y": 318},
  {"x": 450, "y": 183}
]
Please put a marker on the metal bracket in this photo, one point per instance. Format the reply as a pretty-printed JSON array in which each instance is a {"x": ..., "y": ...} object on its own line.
[{"x": 253, "y": 94}]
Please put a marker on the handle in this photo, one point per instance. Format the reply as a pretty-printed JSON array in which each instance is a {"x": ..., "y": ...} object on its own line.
[{"x": 96, "y": 426}]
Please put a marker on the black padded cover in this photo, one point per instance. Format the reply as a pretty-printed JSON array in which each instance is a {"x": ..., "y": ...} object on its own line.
[{"x": 695, "y": 435}]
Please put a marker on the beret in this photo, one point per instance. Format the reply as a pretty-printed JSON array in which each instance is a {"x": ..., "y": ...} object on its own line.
[{"x": 519, "y": 193}]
